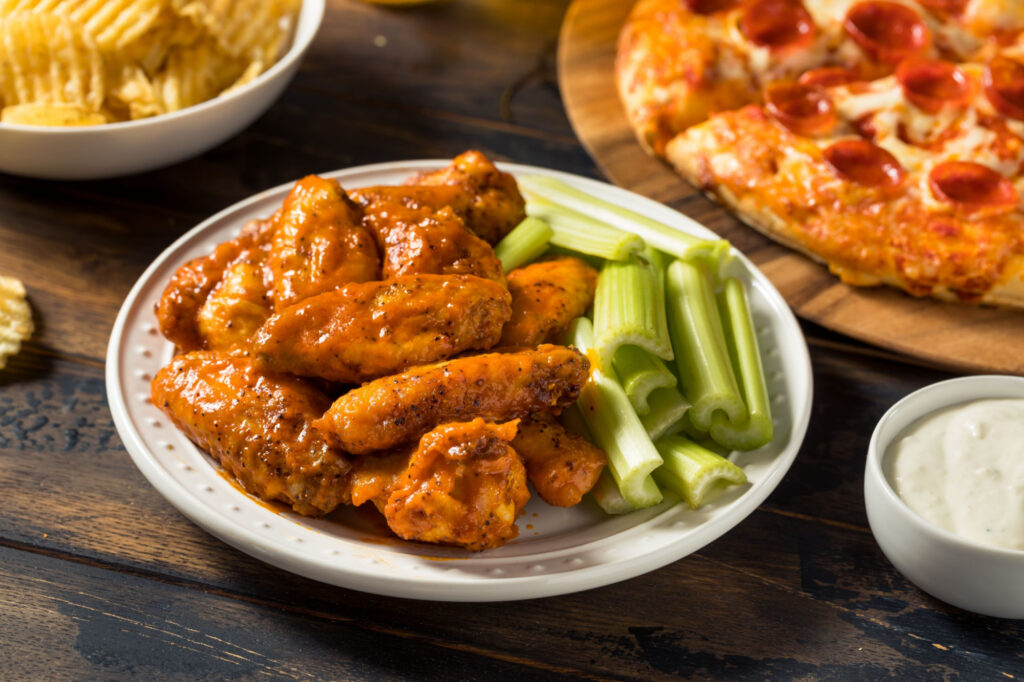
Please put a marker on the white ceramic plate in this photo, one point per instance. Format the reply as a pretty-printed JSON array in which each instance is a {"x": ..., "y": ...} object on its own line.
[{"x": 558, "y": 550}]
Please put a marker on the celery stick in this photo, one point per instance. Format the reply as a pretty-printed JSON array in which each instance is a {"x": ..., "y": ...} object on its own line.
[
  {"x": 687, "y": 428},
  {"x": 582, "y": 233},
  {"x": 746, "y": 361},
  {"x": 702, "y": 358},
  {"x": 629, "y": 308},
  {"x": 606, "y": 491},
  {"x": 667, "y": 409},
  {"x": 663, "y": 237},
  {"x": 525, "y": 243},
  {"x": 693, "y": 471},
  {"x": 615, "y": 427},
  {"x": 640, "y": 373},
  {"x": 606, "y": 494}
]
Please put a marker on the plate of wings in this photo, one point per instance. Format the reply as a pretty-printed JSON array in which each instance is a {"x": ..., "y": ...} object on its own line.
[{"x": 337, "y": 377}]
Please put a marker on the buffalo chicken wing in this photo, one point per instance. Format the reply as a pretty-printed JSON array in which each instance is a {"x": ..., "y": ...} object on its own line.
[
  {"x": 178, "y": 311},
  {"x": 368, "y": 330},
  {"x": 463, "y": 485},
  {"x": 320, "y": 243},
  {"x": 398, "y": 409},
  {"x": 416, "y": 235},
  {"x": 546, "y": 298},
  {"x": 562, "y": 466},
  {"x": 257, "y": 426},
  {"x": 492, "y": 204}
]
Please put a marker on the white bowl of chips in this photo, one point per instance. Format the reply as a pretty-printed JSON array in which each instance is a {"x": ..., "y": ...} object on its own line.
[{"x": 139, "y": 84}]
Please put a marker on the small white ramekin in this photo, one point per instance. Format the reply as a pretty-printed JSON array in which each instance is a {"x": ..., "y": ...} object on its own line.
[
  {"x": 973, "y": 576},
  {"x": 103, "y": 151}
]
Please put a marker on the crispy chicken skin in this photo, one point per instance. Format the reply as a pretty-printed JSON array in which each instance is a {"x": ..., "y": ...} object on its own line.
[
  {"x": 238, "y": 305},
  {"x": 546, "y": 298},
  {"x": 367, "y": 330},
  {"x": 562, "y": 466},
  {"x": 320, "y": 243},
  {"x": 190, "y": 287},
  {"x": 418, "y": 233},
  {"x": 495, "y": 205},
  {"x": 258, "y": 426},
  {"x": 398, "y": 409},
  {"x": 463, "y": 485}
]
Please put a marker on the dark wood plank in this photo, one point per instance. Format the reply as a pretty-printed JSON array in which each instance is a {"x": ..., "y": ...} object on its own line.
[{"x": 150, "y": 630}]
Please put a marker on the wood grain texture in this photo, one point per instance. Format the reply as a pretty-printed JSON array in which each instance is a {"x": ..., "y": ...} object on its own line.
[{"x": 972, "y": 339}]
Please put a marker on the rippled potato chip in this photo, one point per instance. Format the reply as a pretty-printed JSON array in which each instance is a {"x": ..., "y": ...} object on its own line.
[
  {"x": 44, "y": 59},
  {"x": 253, "y": 29},
  {"x": 194, "y": 74},
  {"x": 15, "y": 318},
  {"x": 51, "y": 115},
  {"x": 82, "y": 62}
]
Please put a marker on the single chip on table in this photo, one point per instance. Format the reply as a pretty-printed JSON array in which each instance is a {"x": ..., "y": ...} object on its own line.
[
  {"x": 15, "y": 318},
  {"x": 45, "y": 59}
]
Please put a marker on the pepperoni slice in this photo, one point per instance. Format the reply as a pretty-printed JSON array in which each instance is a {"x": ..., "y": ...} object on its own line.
[
  {"x": 828, "y": 76},
  {"x": 1004, "y": 85},
  {"x": 887, "y": 31},
  {"x": 952, "y": 7},
  {"x": 778, "y": 24},
  {"x": 711, "y": 6},
  {"x": 931, "y": 84},
  {"x": 865, "y": 163},
  {"x": 971, "y": 184},
  {"x": 804, "y": 109}
]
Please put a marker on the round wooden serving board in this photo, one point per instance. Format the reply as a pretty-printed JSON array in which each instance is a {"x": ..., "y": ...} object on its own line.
[{"x": 960, "y": 337}]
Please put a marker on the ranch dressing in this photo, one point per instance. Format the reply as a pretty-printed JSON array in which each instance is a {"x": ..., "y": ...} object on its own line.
[{"x": 962, "y": 468}]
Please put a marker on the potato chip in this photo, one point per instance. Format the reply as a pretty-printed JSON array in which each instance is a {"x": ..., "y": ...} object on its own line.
[
  {"x": 131, "y": 93},
  {"x": 44, "y": 59},
  {"x": 254, "y": 29},
  {"x": 51, "y": 115},
  {"x": 195, "y": 74},
  {"x": 150, "y": 50},
  {"x": 83, "y": 62},
  {"x": 111, "y": 23},
  {"x": 15, "y": 318}
]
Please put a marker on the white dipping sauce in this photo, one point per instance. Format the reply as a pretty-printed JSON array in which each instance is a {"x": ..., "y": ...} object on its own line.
[{"x": 963, "y": 469}]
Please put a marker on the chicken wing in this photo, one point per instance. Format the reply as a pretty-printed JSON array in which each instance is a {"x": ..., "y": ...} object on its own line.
[
  {"x": 191, "y": 285},
  {"x": 464, "y": 485},
  {"x": 495, "y": 205},
  {"x": 418, "y": 232},
  {"x": 368, "y": 330},
  {"x": 320, "y": 243},
  {"x": 396, "y": 410},
  {"x": 562, "y": 466},
  {"x": 238, "y": 304},
  {"x": 258, "y": 426},
  {"x": 546, "y": 297}
]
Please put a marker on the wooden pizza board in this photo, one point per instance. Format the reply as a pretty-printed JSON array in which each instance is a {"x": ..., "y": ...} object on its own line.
[{"x": 959, "y": 337}]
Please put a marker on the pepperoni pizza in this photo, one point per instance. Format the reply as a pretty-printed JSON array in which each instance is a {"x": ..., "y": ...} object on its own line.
[{"x": 884, "y": 137}]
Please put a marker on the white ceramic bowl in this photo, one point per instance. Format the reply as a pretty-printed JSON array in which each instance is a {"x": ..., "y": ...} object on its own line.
[
  {"x": 977, "y": 577},
  {"x": 90, "y": 152}
]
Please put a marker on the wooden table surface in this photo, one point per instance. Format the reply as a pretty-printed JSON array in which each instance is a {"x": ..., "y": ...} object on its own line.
[{"x": 100, "y": 578}]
